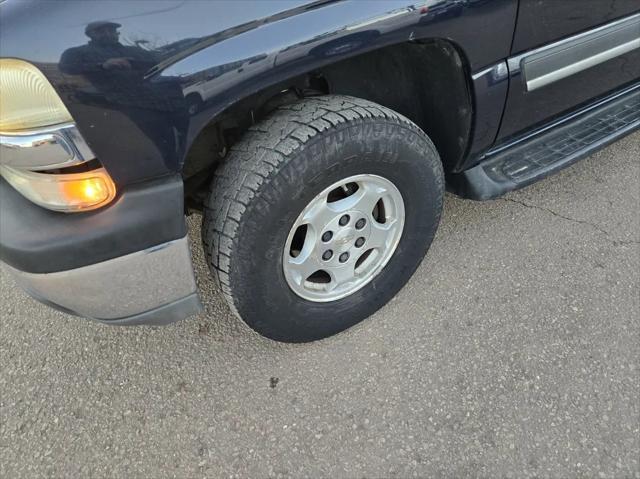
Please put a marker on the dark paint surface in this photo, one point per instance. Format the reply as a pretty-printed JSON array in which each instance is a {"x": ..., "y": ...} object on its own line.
[
  {"x": 526, "y": 110},
  {"x": 544, "y": 21},
  {"x": 548, "y": 21},
  {"x": 490, "y": 92},
  {"x": 138, "y": 115}
]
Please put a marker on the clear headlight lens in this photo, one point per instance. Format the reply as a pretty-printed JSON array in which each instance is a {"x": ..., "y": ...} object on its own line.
[
  {"x": 36, "y": 135},
  {"x": 27, "y": 99}
]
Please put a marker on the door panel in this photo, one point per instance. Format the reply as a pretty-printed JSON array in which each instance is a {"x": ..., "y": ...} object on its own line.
[
  {"x": 562, "y": 75},
  {"x": 544, "y": 21}
]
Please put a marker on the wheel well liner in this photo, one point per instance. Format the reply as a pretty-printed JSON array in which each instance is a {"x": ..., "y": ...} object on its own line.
[{"x": 426, "y": 82}]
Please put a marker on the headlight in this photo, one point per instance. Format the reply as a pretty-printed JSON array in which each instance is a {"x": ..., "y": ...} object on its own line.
[
  {"x": 41, "y": 151},
  {"x": 27, "y": 99}
]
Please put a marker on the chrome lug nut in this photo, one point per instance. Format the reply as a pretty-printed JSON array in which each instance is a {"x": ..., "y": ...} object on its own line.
[
  {"x": 327, "y": 255},
  {"x": 344, "y": 219},
  {"x": 360, "y": 223},
  {"x": 327, "y": 236},
  {"x": 343, "y": 257},
  {"x": 359, "y": 242}
]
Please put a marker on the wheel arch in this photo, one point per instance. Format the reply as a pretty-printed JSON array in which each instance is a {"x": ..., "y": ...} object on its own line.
[{"x": 426, "y": 81}]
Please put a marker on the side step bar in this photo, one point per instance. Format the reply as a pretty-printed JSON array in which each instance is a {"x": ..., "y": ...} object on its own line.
[{"x": 551, "y": 149}]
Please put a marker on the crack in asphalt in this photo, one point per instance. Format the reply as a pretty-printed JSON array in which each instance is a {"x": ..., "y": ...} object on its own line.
[{"x": 598, "y": 228}]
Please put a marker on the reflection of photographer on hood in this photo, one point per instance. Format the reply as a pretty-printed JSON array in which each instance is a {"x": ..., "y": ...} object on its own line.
[
  {"x": 104, "y": 52},
  {"x": 117, "y": 71},
  {"x": 116, "y": 74}
]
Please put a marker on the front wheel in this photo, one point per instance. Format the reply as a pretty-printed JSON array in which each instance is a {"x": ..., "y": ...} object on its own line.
[{"x": 320, "y": 214}]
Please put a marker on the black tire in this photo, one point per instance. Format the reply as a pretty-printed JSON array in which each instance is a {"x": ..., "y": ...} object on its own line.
[{"x": 273, "y": 172}]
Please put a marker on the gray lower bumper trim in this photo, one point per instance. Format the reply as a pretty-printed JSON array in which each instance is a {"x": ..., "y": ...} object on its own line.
[
  {"x": 153, "y": 286},
  {"x": 166, "y": 314}
]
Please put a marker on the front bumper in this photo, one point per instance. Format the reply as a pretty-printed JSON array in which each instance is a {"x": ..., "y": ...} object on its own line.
[
  {"x": 126, "y": 264},
  {"x": 154, "y": 286}
]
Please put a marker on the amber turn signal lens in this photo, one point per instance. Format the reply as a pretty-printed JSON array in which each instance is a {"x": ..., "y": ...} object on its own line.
[
  {"x": 63, "y": 192},
  {"x": 89, "y": 191}
]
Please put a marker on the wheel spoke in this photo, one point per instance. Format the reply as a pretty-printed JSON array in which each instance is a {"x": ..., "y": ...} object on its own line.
[
  {"x": 340, "y": 275},
  {"x": 318, "y": 214},
  {"x": 368, "y": 195},
  {"x": 303, "y": 266},
  {"x": 380, "y": 234}
]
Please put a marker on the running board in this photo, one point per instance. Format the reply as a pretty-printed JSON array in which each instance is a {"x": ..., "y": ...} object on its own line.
[{"x": 552, "y": 149}]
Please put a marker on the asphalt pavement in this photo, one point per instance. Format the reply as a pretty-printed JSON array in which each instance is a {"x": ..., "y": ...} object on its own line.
[{"x": 514, "y": 351}]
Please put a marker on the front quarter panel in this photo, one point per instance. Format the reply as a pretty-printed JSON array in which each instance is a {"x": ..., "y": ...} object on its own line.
[{"x": 136, "y": 119}]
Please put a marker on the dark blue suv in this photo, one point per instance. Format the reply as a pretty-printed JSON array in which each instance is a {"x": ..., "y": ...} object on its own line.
[{"x": 317, "y": 139}]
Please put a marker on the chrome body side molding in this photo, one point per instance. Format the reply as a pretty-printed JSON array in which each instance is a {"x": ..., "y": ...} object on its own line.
[{"x": 574, "y": 54}]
